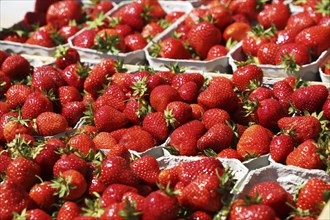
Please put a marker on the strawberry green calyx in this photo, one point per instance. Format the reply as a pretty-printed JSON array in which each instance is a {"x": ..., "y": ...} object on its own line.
[
  {"x": 83, "y": 70},
  {"x": 323, "y": 7},
  {"x": 130, "y": 212},
  {"x": 164, "y": 23},
  {"x": 88, "y": 117},
  {"x": 167, "y": 190},
  {"x": 289, "y": 63},
  {"x": 249, "y": 60},
  {"x": 108, "y": 44},
  {"x": 21, "y": 216},
  {"x": 63, "y": 186},
  {"x": 61, "y": 51},
  {"x": 259, "y": 31},
  {"x": 140, "y": 87},
  {"x": 209, "y": 153},
  {"x": 155, "y": 49},
  {"x": 169, "y": 117},
  {"x": 145, "y": 15},
  {"x": 144, "y": 108},
  {"x": 119, "y": 66},
  {"x": 176, "y": 68},
  {"x": 97, "y": 22},
  {"x": 57, "y": 38},
  {"x": 18, "y": 147},
  {"x": 93, "y": 206}
]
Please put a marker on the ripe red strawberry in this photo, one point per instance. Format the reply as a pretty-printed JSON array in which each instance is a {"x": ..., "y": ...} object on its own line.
[
  {"x": 202, "y": 37},
  {"x": 290, "y": 53},
  {"x": 42, "y": 37},
  {"x": 155, "y": 124},
  {"x": 230, "y": 153},
  {"x": 311, "y": 195},
  {"x": 214, "y": 116},
  {"x": 326, "y": 109},
  {"x": 283, "y": 92},
  {"x": 251, "y": 210},
  {"x": 3, "y": 56},
  {"x": 168, "y": 176},
  {"x": 119, "y": 209},
  {"x": 101, "y": 7},
  {"x": 280, "y": 147},
  {"x": 15, "y": 66},
  {"x": 132, "y": 15},
  {"x": 68, "y": 31},
  {"x": 315, "y": 38},
  {"x": 170, "y": 48},
  {"x": 3, "y": 108},
  {"x": 75, "y": 74},
  {"x": 152, "y": 29},
  {"x": 98, "y": 77},
  {"x": 70, "y": 162},
  {"x": 134, "y": 42},
  {"x": 85, "y": 39},
  {"x": 194, "y": 16},
  {"x": 247, "y": 8},
  {"x": 257, "y": 37},
  {"x": 216, "y": 51},
  {"x": 147, "y": 169},
  {"x": 5, "y": 118},
  {"x": 274, "y": 14},
  {"x": 220, "y": 15},
  {"x": 68, "y": 210},
  {"x": 116, "y": 169},
  {"x": 138, "y": 140},
  {"x": 107, "y": 118},
  {"x": 70, "y": 185},
  {"x": 17, "y": 94},
  {"x": 60, "y": 13},
  {"x": 23, "y": 172},
  {"x": 300, "y": 21},
  {"x": 261, "y": 93},
  {"x": 162, "y": 95},
  {"x": 15, "y": 126},
  {"x": 310, "y": 98},
  {"x": 179, "y": 79},
  {"x": 104, "y": 140},
  {"x": 35, "y": 104},
  {"x": 16, "y": 199},
  {"x": 46, "y": 158},
  {"x": 66, "y": 56},
  {"x": 219, "y": 95},
  {"x": 267, "y": 52},
  {"x": 114, "y": 193},
  {"x": 172, "y": 16},
  {"x": 184, "y": 138},
  {"x": 243, "y": 76},
  {"x": 43, "y": 75},
  {"x": 178, "y": 113},
  {"x": 160, "y": 205},
  {"x": 72, "y": 112},
  {"x": 287, "y": 35},
  {"x": 273, "y": 195},
  {"x": 236, "y": 31},
  {"x": 83, "y": 143},
  {"x": 50, "y": 123},
  {"x": 188, "y": 92},
  {"x": 135, "y": 110},
  {"x": 305, "y": 156},
  {"x": 4, "y": 162},
  {"x": 68, "y": 94},
  {"x": 303, "y": 127},
  {"x": 218, "y": 137},
  {"x": 156, "y": 12},
  {"x": 43, "y": 195},
  {"x": 134, "y": 197},
  {"x": 114, "y": 96},
  {"x": 254, "y": 141}
]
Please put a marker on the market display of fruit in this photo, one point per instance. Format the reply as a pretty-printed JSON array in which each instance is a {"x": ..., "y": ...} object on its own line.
[{"x": 98, "y": 137}]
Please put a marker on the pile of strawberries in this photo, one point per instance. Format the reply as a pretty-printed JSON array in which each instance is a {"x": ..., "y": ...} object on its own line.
[
  {"x": 129, "y": 28},
  {"x": 53, "y": 22}
]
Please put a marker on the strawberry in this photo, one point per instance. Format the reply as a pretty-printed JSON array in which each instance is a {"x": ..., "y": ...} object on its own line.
[
  {"x": 15, "y": 126},
  {"x": 83, "y": 143},
  {"x": 3, "y": 56},
  {"x": 85, "y": 39},
  {"x": 267, "y": 52},
  {"x": 50, "y": 123},
  {"x": 23, "y": 171},
  {"x": 170, "y": 48},
  {"x": 114, "y": 193},
  {"x": 243, "y": 76},
  {"x": 219, "y": 95},
  {"x": 108, "y": 40},
  {"x": 15, "y": 66},
  {"x": 274, "y": 14},
  {"x": 35, "y": 104},
  {"x": 305, "y": 156},
  {"x": 147, "y": 169},
  {"x": 16, "y": 199},
  {"x": 74, "y": 75},
  {"x": 287, "y": 35},
  {"x": 200, "y": 215},
  {"x": 220, "y": 15},
  {"x": 168, "y": 176},
  {"x": 101, "y": 7},
  {"x": 132, "y": 15},
  {"x": 156, "y": 10},
  {"x": 160, "y": 205},
  {"x": 179, "y": 79},
  {"x": 60, "y": 13},
  {"x": 215, "y": 116},
  {"x": 69, "y": 210},
  {"x": 202, "y": 37},
  {"x": 315, "y": 38},
  {"x": 43, "y": 195},
  {"x": 68, "y": 94},
  {"x": 43, "y": 38},
  {"x": 184, "y": 138},
  {"x": 273, "y": 195},
  {"x": 300, "y": 21},
  {"x": 114, "y": 96},
  {"x": 236, "y": 31},
  {"x": 70, "y": 162},
  {"x": 68, "y": 31},
  {"x": 194, "y": 16},
  {"x": 4, "y": 162},
  {"x": 317, "y": 95},
  {"x": 17, "y": 94},
  {"x": 280, "y": 147},
  {"x": 155, "y": 124},
  {"x": 218, "y": 137},
  {"x": 135, "y": 42},
  {"x": 254, "y": 141},
  {"x": 326, "y": 109},
  {"x": 107, "y": 118},
  {"x": 178, "y": 113},
  {"x": 47, "y": 158},
  {"x": 251, "y": 210},
  {"x": 138, "y": 140},
  {"x": 261, "y": 93},
  {"x": 188, "y": 92},
  {"x": 248, "y": 8},
  {"x": 134, "y": 197},
  {"x": 3, "y": 108},
  {"x": 5, "y": 118},
  {"x": 116, "y": 169},
  {"x": 172, "y": 16},
  {"x": 216, "y": 51},
  {"x": 72, "y": 112},
  {"x": 303, "y": 127},
  {"x": 283, "y": 91},
  {"x": 70, "y": 185},
  {"x": 66, "y": 56},
  {"x": 104, "y": 140},
  {"x": 257, "y": 37},
  {"x": 290, "y": 54},
  {"x": 230, "y": 153},
  {"x": 135, "y": 110},
  {"x": 311, "y": 197},
  {"x": 152, "y": 29},
  {"x": 161, "y": 95},
  {"x": 49, "y": 74}
]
